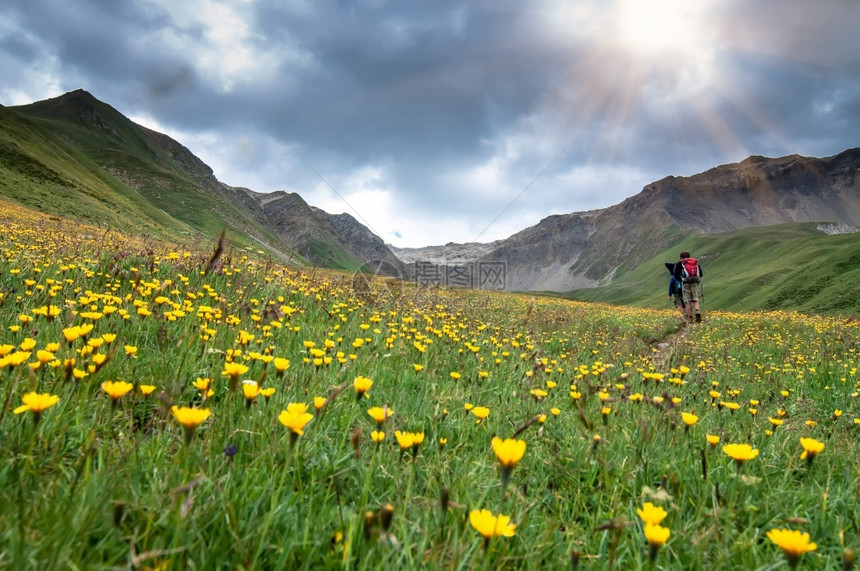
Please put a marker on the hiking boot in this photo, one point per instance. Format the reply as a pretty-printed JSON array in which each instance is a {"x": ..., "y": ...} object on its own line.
[{"x": 698, "y": 317}]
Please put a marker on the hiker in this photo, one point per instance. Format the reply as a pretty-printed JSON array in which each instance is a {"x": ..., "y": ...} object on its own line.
[
  {"x": 676, "y": 292},
  {"x": 689, "y": 273}
]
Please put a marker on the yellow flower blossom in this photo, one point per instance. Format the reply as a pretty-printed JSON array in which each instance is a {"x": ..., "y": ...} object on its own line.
[
  {"x": 251, "y": 390},
  {"x": 117, "y": 389},
  {"x": 689, "y": 419},
  {"x": 480, "y": 412},
  {"x": 190, "y": 418},
  {"x": 740, "y": 453},
  {"x": 656, "y": 535},
  {"x": 380, "y": 414},
  {"x": 202, "y": 384},
  {"x": 651, "y": 514},
  {"x": 37, "y": 403},
  {"x": 295, "y": 417},
  {"x": 281, "y": 364},
  {"x": 811, "y": 448},
  {"x": 509, "y": 451},
  {"x": 793, "y": 543},
  {"x": 361, "y": 386},
  {"x": 44, "y": 356},
  {"x": 234, "y": 371},
  {"x": 490, "y": 526},
  {"x": 407, "y": 440}
]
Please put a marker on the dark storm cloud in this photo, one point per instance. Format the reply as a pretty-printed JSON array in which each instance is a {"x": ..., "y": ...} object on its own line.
[
  {"x": 98, "y": 43},
  {"x": 451, "y": 109},
  {"x": 410, "y": 79},
  {"x": 91, "y": 37}
]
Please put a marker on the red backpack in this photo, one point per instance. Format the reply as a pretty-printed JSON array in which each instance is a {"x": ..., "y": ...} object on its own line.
[{"x": 690, "y": 271}]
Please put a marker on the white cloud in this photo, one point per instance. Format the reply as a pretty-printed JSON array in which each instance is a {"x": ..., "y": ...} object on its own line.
[{"x": 221, "y": 42}]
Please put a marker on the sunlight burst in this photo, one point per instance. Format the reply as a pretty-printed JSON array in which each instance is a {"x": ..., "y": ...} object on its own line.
[{"x": 660, "y": 27}]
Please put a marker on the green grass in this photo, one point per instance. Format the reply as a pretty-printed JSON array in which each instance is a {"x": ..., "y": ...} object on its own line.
[
  {"x": 44, "y": 172},
  {"x": 101, "y": 485},
  {"x": 779, "y": 267},
  {"x": 331, "y": 256}
]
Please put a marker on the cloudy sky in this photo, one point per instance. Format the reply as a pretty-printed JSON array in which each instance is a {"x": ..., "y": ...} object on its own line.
[{"x": 453, "y": 120}]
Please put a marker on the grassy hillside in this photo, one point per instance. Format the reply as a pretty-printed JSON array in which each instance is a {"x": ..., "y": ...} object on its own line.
[
  {"x": 171, "y": 181},
  {"x": 42, "y": 171},
  {"x": 79, "y": 157},
  {"x": 792, "y": 266}
]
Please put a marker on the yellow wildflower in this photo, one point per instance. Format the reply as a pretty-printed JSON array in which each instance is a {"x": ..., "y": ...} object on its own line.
[
  {"x": 361, "y": 385},
  {"x": 295, "y": 417},
  {"x": 490, "y": 526},
  {"x": 117, "y": 389},
  {"x": 37, "y": 403},
  {"x": 651, "y": 514},
  {"x": 811, "y": 448},
  {"x": 793, "y": 543},
  {"x": 740, "y": 453},
  {"x": 190, "y": 418}
]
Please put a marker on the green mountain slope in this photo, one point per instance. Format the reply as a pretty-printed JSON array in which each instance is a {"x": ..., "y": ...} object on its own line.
[
  {"x": 168, "y": 187},
  {"x": 45, "y": 172},
  {"x": 79, "y": 157},
  {"x": 790, "y": 266}
]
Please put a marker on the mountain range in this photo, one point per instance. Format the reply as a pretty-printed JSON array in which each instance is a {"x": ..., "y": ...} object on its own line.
[
  {"x": 75, "y": 155},
  {"x": 79, "y": 157},
  {"x": 589, "y": 249}
]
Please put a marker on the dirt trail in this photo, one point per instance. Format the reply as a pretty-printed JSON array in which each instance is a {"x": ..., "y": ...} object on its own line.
[{"x": 666, "y": 346}]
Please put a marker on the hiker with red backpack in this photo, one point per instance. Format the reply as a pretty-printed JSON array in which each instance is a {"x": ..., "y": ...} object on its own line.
[{"x": 689, "y": 273}]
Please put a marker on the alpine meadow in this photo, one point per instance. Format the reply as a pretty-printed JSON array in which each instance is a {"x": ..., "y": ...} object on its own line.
[
  {"x": 174, "y": 407},
  {"x": 441, "y": 285}
]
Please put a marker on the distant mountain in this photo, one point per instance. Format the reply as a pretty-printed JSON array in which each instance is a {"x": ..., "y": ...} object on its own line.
[
  {"x": 589, "y": 249},
  {"x": 330, "y": 240},
  {"x": 77, "y": 156},
  {"x": 450, "y": 253}
]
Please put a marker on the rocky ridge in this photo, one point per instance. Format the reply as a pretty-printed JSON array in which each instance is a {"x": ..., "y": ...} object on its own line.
[{"x": 587, "y": 249}]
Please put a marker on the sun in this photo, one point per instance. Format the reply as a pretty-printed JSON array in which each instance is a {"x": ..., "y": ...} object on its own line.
[{"x": 659, "y": 28}]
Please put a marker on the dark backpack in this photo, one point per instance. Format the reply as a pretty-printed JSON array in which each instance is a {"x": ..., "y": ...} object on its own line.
[{"x": 690, "y": 271}]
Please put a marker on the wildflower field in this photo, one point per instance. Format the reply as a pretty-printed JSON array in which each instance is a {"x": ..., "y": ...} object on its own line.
[{"x": 182, "y": 407}]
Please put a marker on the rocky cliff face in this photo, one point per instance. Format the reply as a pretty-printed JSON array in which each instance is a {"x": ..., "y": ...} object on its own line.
[
  {"x": 327, "y": 239},
  {"x": 360, "y": 242},
  {"x": 585, "y": 249}
]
